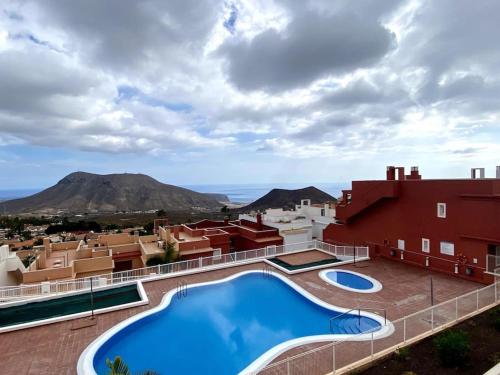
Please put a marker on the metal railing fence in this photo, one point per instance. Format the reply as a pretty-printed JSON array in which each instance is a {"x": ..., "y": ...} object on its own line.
[
  {"x": 186, "y": 266},
  {"x": 340, "y": 357}
]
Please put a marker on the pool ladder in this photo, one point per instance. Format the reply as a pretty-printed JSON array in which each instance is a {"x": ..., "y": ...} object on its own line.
[
  {"x": 358, "y": 309},
  {"x": 267, "y": 270},
  {"x": 181, "y": 290}
]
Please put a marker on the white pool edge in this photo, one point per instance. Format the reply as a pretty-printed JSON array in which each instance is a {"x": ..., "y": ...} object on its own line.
[
  {"x": 377, "y": 285},
  {"x": 15, "y": 327},
  {"x": 85, "y": 364}
]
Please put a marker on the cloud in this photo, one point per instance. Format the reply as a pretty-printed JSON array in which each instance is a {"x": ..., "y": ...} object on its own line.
[
  {"x": 308, "y": 80},
  {"x": 141, "y": 35},
  {"x": 310, "y": 47}
]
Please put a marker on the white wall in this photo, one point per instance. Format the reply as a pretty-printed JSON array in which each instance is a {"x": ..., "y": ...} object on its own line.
[
  {"x": 296, "y": 237},
  {"x": 317, "y": 230},
  {"x": 304, "y": 216},
  {"x": 8, "y": 261}
]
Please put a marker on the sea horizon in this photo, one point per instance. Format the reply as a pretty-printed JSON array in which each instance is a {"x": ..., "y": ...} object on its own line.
[{"x": 237, "y": 193}]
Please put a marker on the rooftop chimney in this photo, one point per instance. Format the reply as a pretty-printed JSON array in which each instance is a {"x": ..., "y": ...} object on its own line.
[
  {"x": 498, "y": 171},
  {"x": 259, "y": 221},
  {"x": 401, "y": 173},
  {"x": 391, "y": 173},
  {"x": 176, "y": 232},
  {"x": 414, "y": 175},
  {"x": 474, "y": 173}
]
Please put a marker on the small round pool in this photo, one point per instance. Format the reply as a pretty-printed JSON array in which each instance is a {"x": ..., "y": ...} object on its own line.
[{"x": 350, "y": 280}]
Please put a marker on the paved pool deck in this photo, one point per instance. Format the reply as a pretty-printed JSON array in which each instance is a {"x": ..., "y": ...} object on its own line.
[{"x": 55, "y": 348}]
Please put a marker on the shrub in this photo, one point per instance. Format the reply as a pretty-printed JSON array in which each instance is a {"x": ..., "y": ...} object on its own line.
[
  {"x": 402, "y": 354},
  {"x": 154, "y": 261},
  {"x": 453, "y": 348},
  {"x": 497, "y": 323},
  {"x": 494, "y": 358}
]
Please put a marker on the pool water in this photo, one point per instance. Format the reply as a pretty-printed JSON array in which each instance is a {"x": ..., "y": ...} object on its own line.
[
  {"x": 222, "y": 328},
  {"x": 34, "y": 311},
  {"x": 350, "y": 280}
]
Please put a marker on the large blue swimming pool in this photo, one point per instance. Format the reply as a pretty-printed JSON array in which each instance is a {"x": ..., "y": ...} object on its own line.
[{"x": 223, "y": 327}]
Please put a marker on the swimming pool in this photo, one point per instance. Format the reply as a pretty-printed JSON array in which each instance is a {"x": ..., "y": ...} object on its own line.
[
  {"x": 350, "y": 280},
  {"x": 229, "y": 326}
]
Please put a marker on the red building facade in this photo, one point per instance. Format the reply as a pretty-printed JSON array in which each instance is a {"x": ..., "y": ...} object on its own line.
[
  {"x": 444, "y": 225},
  {"x": 201, "y": 238},
  {"x": 241, "y": 234}
]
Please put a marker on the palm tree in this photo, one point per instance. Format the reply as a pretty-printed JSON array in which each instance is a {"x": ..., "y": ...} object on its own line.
[{"x": 118, "y": 367}]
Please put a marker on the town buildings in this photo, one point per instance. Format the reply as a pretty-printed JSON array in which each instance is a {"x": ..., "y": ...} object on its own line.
[
  {"x": 213, "y": 238},
  {"x": 448, "y": 225},
  {"x": 306, "y": 222},
  {"x": 97, "y": 254}
]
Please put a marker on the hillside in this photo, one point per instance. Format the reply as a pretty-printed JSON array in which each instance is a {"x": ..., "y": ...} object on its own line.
[
  {"x": 222, "y": 198},
  {"x": 86, "y": 192},
  {"x": 283, "y": 198}
]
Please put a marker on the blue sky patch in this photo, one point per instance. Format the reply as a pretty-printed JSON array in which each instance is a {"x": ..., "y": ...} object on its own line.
[
  {"x": 230, "y": 22},
  {"x": 133, "y": 93}
]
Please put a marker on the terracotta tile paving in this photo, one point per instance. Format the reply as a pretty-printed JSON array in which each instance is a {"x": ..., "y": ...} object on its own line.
[{"x": 55, "y": 348}]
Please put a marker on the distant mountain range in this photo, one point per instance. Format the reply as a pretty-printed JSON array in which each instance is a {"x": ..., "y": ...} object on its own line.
[
  {"x": 283, "y": 198},
  {"x": 86, "y": 192}
]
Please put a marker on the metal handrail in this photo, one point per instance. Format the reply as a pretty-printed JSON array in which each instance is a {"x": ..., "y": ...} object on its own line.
[
  {"x": 376, "y": 309},
  {"x": 181, "y": 289},
  {"x": 338, "y": 316},
  {"x": 267, "y": 270},
  {"x": 359, "y": 314}
]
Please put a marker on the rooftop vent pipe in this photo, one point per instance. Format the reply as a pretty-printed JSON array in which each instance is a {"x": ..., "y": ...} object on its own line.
[{"x": 474, "y": 173}]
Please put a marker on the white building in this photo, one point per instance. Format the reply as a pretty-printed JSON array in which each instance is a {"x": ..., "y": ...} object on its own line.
[
  {"x": 304, "y": 223},
  {"x": 9, "y": 266}
]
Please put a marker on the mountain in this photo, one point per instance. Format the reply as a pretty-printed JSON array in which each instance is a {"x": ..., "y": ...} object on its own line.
[
  {"x": 283, "y": 198},
  {"x": 86, "y": 192},
  {"x": 221, "y": 198}
]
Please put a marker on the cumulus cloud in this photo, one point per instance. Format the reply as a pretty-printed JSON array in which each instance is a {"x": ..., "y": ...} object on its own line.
[
  {"x": 310, "y": 47},
  {"x": 293, "y": 79}
]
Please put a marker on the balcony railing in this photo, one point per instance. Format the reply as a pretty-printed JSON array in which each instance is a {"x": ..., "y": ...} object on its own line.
[{"x": 177, "y": 268}]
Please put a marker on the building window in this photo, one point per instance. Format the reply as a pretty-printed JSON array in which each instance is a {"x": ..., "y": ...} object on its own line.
[
  {"x": 401, "y": 244},
  {"x": 217, "y": 254},
  {"x": 447, "y": 248},
  {"x": 426, "y": 245},
  {"x": 441, "y": 210},
  {"x": 322, "y": 212}
]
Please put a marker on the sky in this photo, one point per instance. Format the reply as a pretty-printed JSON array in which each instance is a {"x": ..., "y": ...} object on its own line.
[{"x": 247, "y": 91}]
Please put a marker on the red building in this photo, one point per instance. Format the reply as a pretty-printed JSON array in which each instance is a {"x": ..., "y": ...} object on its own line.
[
  {"x": 447, "y": 225},
  {"x": 206, "y": 237}
]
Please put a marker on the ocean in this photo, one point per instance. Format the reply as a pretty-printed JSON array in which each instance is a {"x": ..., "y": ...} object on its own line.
[
  {"x": 248, "y": 193},
  {"x": 237, "y": 193},
  {"x": 17, "y": 193}
]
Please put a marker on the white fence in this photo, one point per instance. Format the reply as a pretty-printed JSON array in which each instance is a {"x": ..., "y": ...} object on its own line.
[
  {"x": 182, "y": 267},
  {"x": 343, "y": 356},
  {"x": 493, "y": 264}
]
